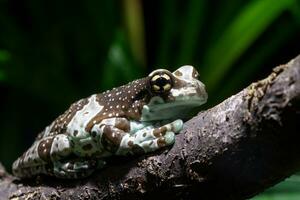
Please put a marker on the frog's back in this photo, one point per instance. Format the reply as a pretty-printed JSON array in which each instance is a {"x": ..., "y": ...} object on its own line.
[{"x": 36, "y": 159}]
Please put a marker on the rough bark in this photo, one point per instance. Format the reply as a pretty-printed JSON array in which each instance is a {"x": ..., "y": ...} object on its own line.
[{"x": 234, "y": 150}]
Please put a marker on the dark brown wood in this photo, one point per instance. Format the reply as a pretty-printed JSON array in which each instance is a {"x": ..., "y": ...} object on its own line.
[{"x": 234, "y": 150}]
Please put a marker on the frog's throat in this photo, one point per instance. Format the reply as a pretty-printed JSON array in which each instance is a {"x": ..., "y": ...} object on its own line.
[{"x": 158, "y": 109}]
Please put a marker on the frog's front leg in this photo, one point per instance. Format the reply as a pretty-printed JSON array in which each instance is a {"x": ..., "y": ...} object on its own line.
[{"x": 147, "y": 139}]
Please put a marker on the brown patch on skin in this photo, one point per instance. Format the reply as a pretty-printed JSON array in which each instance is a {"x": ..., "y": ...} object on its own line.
[
  {"x": 178, "y": 83},
  {"x": 144, "y": 134},
  {"x": 122, "y": 102},
  {"x": 161, "y": 142},
  {"x": 97, "y": 119},
  {"x": 158, "y": 132},
  {"x": 123, "y": 124},
  {"x": 87, "y": 147},
  {"x": 111, "y": 138},
  {"x": 60, "y": 124},
  {"x": 130, "y": 143},
  {"x": 44, "y": 148},
  {"x": 178, "y": 73}
]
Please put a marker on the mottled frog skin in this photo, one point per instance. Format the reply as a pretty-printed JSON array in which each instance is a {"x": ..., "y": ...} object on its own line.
[{"x": 140, "y": 117}]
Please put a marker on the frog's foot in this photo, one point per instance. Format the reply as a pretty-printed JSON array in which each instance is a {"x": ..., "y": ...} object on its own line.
[
  {"x": 154, "y": 133},
  {"x": 148, "y": 140},
  {"x": 75, "y": 168},
  {"x": 160, "y": 142}
]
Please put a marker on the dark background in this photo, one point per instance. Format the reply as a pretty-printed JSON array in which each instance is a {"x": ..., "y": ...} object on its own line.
[{"x": 53, "y": 53}]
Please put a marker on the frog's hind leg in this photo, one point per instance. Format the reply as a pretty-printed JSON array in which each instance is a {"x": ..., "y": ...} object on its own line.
[
  {"x": 39, "y": 158},
  {"x": 33, "y": 161},
  {"x": 76, "y": 168}
]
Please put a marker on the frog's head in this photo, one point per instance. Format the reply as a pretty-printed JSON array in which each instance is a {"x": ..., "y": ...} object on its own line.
[{"x": 173, "y": 93}]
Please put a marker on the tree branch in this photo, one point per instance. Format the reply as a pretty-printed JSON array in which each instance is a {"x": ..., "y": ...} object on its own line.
[{"x": 234, "y": 150}]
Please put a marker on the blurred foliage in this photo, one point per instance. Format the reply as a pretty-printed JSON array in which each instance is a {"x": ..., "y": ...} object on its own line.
[
  {"x": 55, "y": 52},
  {"x": 287, "y": 190}
]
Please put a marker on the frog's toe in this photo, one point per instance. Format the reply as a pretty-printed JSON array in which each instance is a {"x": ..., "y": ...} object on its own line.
[
  {"x": 157, "y": 143},
  {"x": 169, "y": 137},
  {"x": 177, "y": 125}
]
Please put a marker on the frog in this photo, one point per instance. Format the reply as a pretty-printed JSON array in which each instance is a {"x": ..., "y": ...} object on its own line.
[{"x": 134, "y": 119}]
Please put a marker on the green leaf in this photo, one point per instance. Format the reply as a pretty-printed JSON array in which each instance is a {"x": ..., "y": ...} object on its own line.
[
  {"x": 2, "y": 75},
  {"x": 120, "y": 67},
  {"x": 295, "y": 10},
  {"x": 192, "y": 28},
  {"x": 250, "y": 23},
  {"x": 133, "y": 14},
  {"x": 242, "y": 75},
  {"x": 286, "y": 190},
  {"x": 4, "y": 57},
  {"x": 167, "y": 33}
]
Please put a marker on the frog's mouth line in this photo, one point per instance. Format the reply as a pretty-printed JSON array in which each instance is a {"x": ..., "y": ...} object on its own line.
[{"x": 170, "y": 105}]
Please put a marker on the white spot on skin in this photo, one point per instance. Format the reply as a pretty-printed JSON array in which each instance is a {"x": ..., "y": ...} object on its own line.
[
  {"x": 110, "y": 115},
  {"x": 80, "y": 120},
  {"x": 60, "y": 145},
  {"x": 108, "y": 121}
]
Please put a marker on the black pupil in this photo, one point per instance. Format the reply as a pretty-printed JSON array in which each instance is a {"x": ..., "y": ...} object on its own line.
[{"x": 161, "y": 81}]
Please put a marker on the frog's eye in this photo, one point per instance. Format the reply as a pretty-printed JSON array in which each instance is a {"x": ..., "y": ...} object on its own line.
[{"x": 161, "y": 82}]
